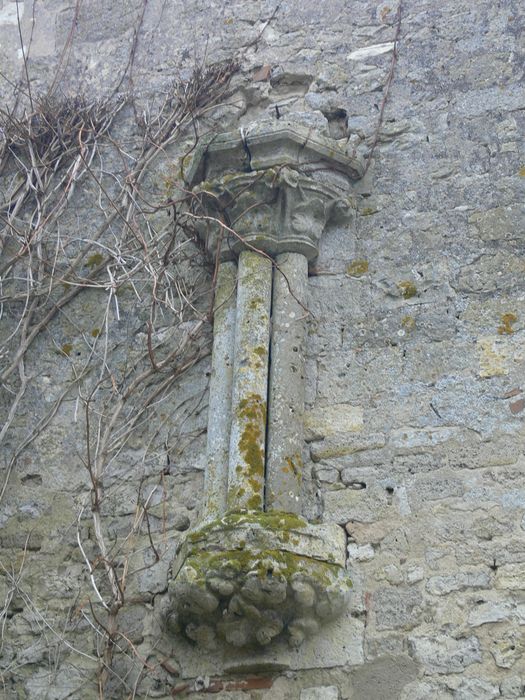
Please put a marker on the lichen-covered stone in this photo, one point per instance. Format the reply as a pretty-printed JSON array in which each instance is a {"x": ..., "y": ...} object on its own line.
[{"x": 246, "y": 591}]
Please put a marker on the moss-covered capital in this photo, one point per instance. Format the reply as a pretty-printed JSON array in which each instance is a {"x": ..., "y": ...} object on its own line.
[{"x": 248, "y": 578}]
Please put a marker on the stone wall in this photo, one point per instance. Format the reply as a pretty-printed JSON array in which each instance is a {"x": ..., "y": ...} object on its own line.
[{"x": 415, "y": 356}]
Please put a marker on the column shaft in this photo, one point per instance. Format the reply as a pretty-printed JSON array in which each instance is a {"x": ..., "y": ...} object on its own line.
[
  {"x": 219, "y": 406},
  {"x": 250, "y": 383},
  {"x": 286, "y": 399}
]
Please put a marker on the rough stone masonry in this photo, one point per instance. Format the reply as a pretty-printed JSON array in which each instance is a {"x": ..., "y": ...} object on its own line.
[{"x": 414, "y": 359}]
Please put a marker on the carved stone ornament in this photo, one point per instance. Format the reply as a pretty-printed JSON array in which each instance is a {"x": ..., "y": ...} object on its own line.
[
  {"x": 278, "y": 210},
  {"x": 249, "y": 578},
  {"x": 275, "y": 186}
]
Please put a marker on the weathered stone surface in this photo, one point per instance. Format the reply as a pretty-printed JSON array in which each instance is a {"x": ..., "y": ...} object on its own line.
[
  {"x": 330, "y": 420},
  {"x": 474, "y": 688},
  {"x": 512, "y": 687},
  {"x": 397, "y": 608},
  {"x": 443, "y": 654},
  {"x": 246, "y": 578},
  {"x": 384, "y": 678},
  {"x": 250, "y": 383},
  {"x": 494, "y": 611},
  {"x": 462, "y": 580},
  {"x": 219, "y": 405},
  {"x": 418, "y": 339},
  {"x": 284, "y": 464},
  {"x": 511, "y": 576},
  {"x": 260, "y": 177},
  {"x": 321, "y": 692},
  {"x": 507, "y": 648},
  {"x": 500, "y": 223}
]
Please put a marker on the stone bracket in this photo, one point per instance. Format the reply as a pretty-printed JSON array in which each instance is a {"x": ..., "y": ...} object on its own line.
[{"x": 248, "y": 578}]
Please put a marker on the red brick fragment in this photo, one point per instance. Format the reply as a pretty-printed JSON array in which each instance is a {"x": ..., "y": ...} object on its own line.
[
  {"x": 517, "y": 406},
  {"x": 262, "y": 75},
  {"x": 511, "y": 393}
]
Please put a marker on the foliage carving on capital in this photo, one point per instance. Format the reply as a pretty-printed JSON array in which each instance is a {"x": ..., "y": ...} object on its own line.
[
  {"x": 271, "y": 188},
  {"x": 276, "y": 210}
]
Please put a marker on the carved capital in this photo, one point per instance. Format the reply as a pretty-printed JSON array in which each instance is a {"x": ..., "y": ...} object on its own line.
[
  {"x": 274, "y": 210},
  {"x": 274, "y": 188}
]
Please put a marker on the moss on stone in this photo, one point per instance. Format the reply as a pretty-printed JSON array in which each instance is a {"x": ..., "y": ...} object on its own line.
[
  {"x": 506, "y": 323},
  {"x": 408, "y": 289},
  {"x": 252, "y": 415},
  {"x": 357, "y": 268},
  {"x": 408, "y": 323},
  {"x": 245, "y": 561},
  {"x": 94, "y": 260}
]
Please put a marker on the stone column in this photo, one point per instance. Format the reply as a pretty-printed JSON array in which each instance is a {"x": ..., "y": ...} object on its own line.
[
  {"x": 284, "y": 464},
  {"x": 250, "y": 389},
  {"x": 221, "y": 379},
  {"x": 259, "y": 571}
]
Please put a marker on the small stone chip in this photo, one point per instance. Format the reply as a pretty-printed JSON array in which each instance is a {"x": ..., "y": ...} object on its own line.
[{"x": 262, "y": 75}]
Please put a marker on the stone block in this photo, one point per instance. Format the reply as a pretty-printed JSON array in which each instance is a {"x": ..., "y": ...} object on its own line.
[
  {"x": 500, "y": 223},
  {"x": 330, "y": 420},
  {"x": 360, "y": 552},
  {"x": 511, "y": 576},
  {"x": 507, "y": 648},
  {"x": 444, "y": 654},
  {"x": 397, "y": 608},
  {"x": 512, "y": 687},
  {"x": 427, "y": 437},
  {"x": 476, "y": 688},
  {"x": 322, "y": 692},
  {"x": 352, "y": 504},
  {"x": 458, "y": 581},
  {"x": 384, "y": 678},
  {"x": 493, "y": 611}
]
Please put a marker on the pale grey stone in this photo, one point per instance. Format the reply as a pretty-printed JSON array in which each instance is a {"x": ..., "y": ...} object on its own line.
[
  {"x": 321, "y": 692},
  {"x": 507, "y": 648},
  {"x": 444, "y": 654},
  {"x": 425, "y": 690},
  {"x": 250, "y": 383},
  {"x": 475, "y": 688},
  {"x": 500, "y": 223},
  {"x": 328, "y": 475},
  {"x": 511, "y": 576},
  {"x": 415, "y": 575},
  {"x": 330, "y": 420},
  {"x": 221, "y": 381},
  {"x": 358, "y": 552},
  {"x": 459, "y": 581},
  {"x": 397, "y": 607},
  {"x": 512, "y": 687},
  {"x": 284, "y": 463},
  {"x": 383, "y": 678},
  {"x": 493, "y": 611}
]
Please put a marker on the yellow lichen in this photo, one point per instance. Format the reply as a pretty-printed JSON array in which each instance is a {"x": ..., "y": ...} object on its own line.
[
  {"x": 95, "y": 332},
  {"x": 408, "y": 289},
  {"x": 94, "y": 260},
  {"x": 506, "y": 323},
  {"x": 66, "y": 349},
  {"x": 408, "y": 323},
  {"x": 357, "y": 268}
]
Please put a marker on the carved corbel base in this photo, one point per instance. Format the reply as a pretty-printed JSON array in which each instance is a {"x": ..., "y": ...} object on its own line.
[{"x": 249, "y": 578}]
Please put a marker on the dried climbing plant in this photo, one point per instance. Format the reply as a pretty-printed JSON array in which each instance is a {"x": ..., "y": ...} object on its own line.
[{"x": 58, "y": 154}]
